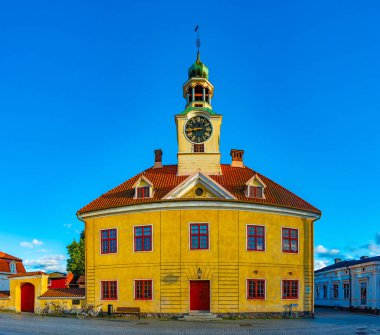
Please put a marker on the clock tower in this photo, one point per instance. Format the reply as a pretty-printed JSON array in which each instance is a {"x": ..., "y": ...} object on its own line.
[{"x": 198, "y": 126}]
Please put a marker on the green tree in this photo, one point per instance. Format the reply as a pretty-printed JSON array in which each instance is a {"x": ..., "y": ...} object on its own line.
[{"x": 76, "y": 260}]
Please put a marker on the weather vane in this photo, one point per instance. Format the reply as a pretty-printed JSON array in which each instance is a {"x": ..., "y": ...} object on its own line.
[{"x": 198, "y": 41}]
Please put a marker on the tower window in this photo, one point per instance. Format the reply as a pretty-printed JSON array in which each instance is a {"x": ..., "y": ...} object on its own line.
[
  {"x": 190, "y": 94},
  {"x": 207, "y": 95},
  {"x": 198, "y": 92},
  {"x": 199, "y": 147}
]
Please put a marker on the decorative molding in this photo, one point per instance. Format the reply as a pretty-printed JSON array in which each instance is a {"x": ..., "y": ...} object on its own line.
[
  {"x": 199, "y": 178},
  {"x": 196, "y": 204}
]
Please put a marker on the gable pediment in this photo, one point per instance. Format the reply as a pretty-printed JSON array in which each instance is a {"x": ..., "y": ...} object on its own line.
[{"x": 199, "y": 185}]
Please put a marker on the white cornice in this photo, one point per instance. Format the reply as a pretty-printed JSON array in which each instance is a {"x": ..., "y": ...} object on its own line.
[
  {"x": 199, "y": 204},
  {"x": 26, "y": 276},
  {"x": 255, "y": 177}
]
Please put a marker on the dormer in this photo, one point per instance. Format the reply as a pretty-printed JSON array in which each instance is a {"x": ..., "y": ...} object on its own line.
[
  {"x": 255, "y": 187},
  {"x": 143, "y": 188},
  {"x": 12, "y": 267}
]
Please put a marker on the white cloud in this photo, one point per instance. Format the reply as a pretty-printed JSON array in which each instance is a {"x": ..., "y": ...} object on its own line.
[
  {"x": 32, "y": 244},
  {"x": 68, "y": 225},
  {"x": 320, "y": 249},
  {"x": 319, "y": 264},
  {"x": 323, "y": 251},
  {"x": 47, "y": 263}
]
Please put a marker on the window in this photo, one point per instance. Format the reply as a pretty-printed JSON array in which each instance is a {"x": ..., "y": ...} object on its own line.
[
  {"x": 346, "y": 290},
  {"x": 325, "y": 291},
  {"x": 317, "y": 291},
  {"x": 290, "y": 240},
  {"x": 336, "y": 290},
  {"x": 290, "y": 289},
  {"x": 255, "y": 238},
  {"x": 12, "y": 267},
  {"x": 108, "y": 241},
  {"x": 190, "y": 94},
  {"x": 199, "y": 147},
  {"x": 255, "y": 289},
  {"x": 143, "y": 192},
  {"x": 198, "y": 92},
  {"x": 143, "y": 238},
  {"x": 75, "y": 302},
  {"x": 363, "y": 293},
  {"x": 109, "y": 290},
  {"x": 255, "y": 192},
  {"x": 199, "y": 236},
  {"x": 143, "y": 289}
]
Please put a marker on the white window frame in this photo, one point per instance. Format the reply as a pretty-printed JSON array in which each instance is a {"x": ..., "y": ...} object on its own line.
[
  {"x": 100, "y": 242},
  {"x": 133, "y": 238},
  {"x": 208, "y": 237}
]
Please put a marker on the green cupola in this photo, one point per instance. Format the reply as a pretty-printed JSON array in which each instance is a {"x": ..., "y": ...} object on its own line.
[{"x": 198, "y": 69}]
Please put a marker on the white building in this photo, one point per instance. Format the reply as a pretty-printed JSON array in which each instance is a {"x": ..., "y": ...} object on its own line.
[
  {"x": 8, "y": 265},
  {"x": 354, "y": 283}
]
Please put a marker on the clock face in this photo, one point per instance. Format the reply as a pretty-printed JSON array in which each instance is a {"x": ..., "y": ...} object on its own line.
[{"x": 198, "y": 129}]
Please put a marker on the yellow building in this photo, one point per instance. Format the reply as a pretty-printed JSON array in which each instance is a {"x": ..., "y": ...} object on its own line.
[{"x": 200, "y": 236}]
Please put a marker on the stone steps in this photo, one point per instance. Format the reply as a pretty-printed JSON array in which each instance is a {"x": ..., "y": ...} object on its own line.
[{"x": 200, "y": 317}]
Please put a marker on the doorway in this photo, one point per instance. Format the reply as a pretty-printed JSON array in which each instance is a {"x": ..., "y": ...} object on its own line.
[
  {"x": 27, "y": 298},
  {"x": 200, "y": 295}
]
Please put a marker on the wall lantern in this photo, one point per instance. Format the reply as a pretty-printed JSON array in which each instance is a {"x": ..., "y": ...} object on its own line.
[
  {"x": 199, "y": 273},
  {"x": 290, "y": 273}
]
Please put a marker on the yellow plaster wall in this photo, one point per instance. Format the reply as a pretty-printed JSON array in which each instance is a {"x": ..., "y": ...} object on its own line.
[
  {"x": 67, "y": 304},
  {"x": 227, "y": 264},
  {"x": 40, "y": 283}
]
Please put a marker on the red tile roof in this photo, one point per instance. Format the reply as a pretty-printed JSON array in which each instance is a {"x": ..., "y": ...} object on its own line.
[
  {"x": 81, "y": 279},
  {"x": 64, "y": 293},
  {"x": 6, "y": 259},
  {"x": 165, "y": 179},
  {"x": 4, "y": 294},
  {"x": 7, "y": 256}
]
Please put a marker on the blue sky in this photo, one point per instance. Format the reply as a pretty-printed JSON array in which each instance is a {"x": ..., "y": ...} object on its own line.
[{"x": 88, "y": 89}]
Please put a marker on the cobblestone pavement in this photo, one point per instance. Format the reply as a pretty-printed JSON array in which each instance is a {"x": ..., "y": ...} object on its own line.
[{"x": 325, "y": 322}]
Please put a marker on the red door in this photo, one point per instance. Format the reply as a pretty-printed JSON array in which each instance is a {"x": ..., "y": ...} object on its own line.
[
  {"x": 27, "y": 298},
  {"x": 200, "y": 295}
]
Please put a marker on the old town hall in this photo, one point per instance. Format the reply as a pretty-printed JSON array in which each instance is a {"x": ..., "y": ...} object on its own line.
[{"x": 200, "y": 236}]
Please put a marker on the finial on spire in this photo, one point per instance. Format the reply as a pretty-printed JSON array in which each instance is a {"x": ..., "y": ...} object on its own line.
[{"x": 198, "y": 41}]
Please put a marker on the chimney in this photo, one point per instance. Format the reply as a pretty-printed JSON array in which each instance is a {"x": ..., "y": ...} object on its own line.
[
  {"x": 363, "y": 257},
  {"x": 237, "y": 158},
  {"x": 337, "y": 260},
  {"x": 157, "y": 159}
]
